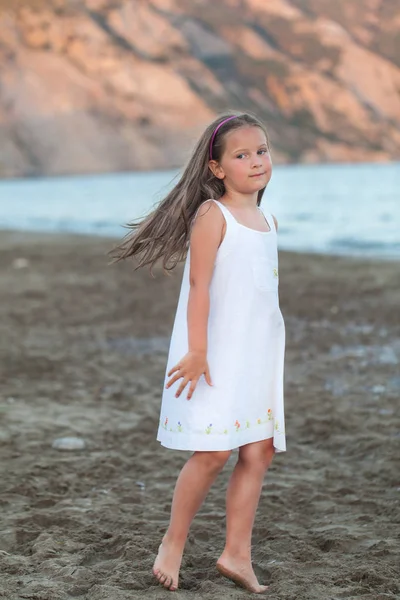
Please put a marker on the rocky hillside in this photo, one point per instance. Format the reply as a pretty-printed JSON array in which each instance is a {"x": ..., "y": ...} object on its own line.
[{"x": 106, "y": 85}]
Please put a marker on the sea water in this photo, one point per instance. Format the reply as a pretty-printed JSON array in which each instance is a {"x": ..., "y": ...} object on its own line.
[{"x": 331, "y": 209}]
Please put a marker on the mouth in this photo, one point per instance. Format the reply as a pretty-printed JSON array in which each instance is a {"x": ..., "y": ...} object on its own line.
[{"x": 257, "y": 175}]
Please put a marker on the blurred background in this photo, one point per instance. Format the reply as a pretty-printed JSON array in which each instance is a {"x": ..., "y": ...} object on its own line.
[
  {"x": 101, "y": 102},
  {"x": 110, "y": 86}
]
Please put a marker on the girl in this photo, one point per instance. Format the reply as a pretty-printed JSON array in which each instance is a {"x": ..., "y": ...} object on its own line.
[{"x": 227, "y": 348}]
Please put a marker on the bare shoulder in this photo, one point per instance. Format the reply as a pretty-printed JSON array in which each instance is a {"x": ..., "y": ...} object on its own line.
[
  {"x": 275, "y": 221},
  {"x": 205, "y": 239},
  {"x": 208, "y": 226},
  {"x": 209, "y": 217},
  {"x": 208, "y": 209}
]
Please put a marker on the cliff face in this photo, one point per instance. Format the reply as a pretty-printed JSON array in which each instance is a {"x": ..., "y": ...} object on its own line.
[{"x": 96, "y": 85}]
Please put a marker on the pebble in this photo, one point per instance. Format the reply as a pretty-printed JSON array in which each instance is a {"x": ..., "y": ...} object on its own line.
[
  {"x": 69, "y": 443},
  {"x": 20, "y": 263},
  {"x": 378, "y": 389}
]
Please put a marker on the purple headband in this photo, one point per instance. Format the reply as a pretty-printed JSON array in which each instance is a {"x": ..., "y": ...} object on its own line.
[{"x": 215, "y": 133}]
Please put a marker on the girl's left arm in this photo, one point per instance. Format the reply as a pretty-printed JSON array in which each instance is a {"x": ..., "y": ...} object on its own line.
[{"x": 276, "y": 222}]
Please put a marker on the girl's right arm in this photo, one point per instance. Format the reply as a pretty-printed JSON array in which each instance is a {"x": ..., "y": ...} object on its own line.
[{"x": 204, "y": 242}]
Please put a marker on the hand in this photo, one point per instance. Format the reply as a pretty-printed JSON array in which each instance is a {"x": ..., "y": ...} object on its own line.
[{"x": 191, "y": 367}]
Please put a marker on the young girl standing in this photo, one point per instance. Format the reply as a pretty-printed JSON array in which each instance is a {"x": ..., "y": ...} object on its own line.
[{"x": 224, "y": 376}]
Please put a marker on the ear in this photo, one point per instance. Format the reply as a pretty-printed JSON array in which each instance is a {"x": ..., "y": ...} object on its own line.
[{"x": 216, "y": 169}]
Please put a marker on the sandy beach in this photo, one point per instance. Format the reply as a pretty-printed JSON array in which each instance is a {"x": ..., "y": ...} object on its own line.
[{"x": 83, "y": 349}]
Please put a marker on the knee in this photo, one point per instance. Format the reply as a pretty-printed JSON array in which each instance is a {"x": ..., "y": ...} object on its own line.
[
  {"x": 269, "y": 455},
  {"x": 259, "y": 459},
  {"x": 213, "y": 461},
  {"x": 266, "y": 457},
  {"x": 259, "y": 463}
]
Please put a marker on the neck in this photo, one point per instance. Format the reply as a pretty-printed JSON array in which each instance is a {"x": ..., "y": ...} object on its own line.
[{"x": 238, "y": 199}]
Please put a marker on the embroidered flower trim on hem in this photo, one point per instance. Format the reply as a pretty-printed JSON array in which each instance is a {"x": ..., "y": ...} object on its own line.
[{"x": 237, "y": 426}]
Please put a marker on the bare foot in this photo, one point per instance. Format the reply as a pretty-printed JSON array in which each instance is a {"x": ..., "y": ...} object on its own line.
[
  {"x": 240, "y": 573},
  {"x": 167, "y": 564}
]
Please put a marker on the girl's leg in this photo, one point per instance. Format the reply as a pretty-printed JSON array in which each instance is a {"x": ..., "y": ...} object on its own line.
[
  {"x": 242, "y": 498},
  {"x": 191, "y": 488}
]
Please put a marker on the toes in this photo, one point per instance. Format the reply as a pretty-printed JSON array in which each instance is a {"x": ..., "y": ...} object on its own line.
[
  {"x": 161, "y": 576},
  {"x": 168, "y": 581}
]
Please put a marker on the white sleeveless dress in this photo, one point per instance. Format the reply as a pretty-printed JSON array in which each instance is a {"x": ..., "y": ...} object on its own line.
[{"x": 246, "y": 347}]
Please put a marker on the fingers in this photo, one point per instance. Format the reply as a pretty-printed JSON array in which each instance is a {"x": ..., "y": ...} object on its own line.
[
  {"x": 182, "y": 387},
  {"x": 180, "y": 373},
  {"x": 192, "y": 388},
  {"x": 173, "y": 379},
  {"x": 208, "y": 376},
  {"x": 185, "y": 382},
  {"x": 175, "y": 368}
]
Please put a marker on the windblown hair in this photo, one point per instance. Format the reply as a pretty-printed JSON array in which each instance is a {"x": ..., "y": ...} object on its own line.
[{"x": 165, "y": 232}]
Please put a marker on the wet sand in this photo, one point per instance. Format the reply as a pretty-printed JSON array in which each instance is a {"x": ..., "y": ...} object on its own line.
[{"x": 82, "y": 353}]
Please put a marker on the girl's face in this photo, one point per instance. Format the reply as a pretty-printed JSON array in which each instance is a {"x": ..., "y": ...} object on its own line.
[{"x": 245, "y": 165}]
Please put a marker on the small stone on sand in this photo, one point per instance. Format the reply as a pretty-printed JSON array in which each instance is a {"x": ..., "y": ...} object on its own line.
[
  {"x": 69, "y": 443},
  {"x": 20, "y": 263}
]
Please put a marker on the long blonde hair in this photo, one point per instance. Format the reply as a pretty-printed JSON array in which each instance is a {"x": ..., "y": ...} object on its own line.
[{"x": 164, "y": 233}]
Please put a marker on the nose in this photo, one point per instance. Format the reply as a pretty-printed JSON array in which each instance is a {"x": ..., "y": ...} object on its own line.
[{"x": 256, "y": 162}]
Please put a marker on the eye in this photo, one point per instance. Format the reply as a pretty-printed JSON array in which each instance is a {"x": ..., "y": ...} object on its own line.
[
  {"x": 240, "y": 155},
  {"x": 264, "y": 151}
]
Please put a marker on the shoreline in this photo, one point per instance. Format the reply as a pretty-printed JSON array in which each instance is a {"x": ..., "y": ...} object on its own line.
[
  {"x": 19, "y": 234},
  {"x": 83, "y": 349}
]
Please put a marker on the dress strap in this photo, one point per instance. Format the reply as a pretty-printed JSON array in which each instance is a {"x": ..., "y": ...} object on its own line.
[
  {"x": 231, "y": 229},
  {"x": 269, "y": 218},
  {"x": 229, "y": 218},
  {"x": 227, "y": 214}
]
